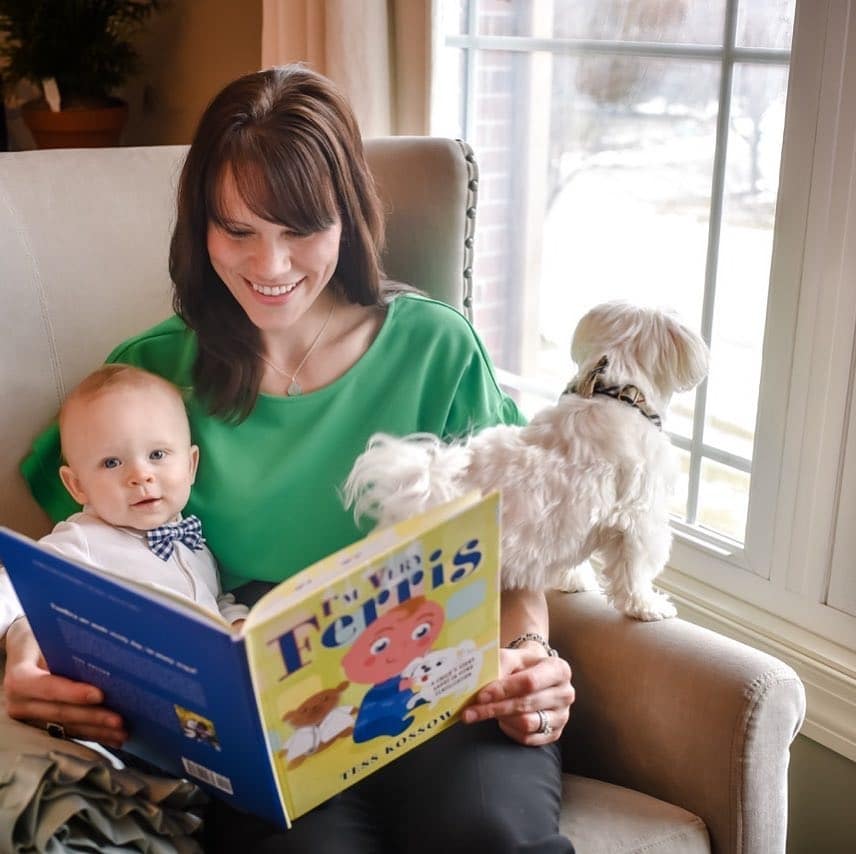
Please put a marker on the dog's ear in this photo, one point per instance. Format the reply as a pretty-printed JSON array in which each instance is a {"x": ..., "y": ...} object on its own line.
[
  {"x": 599, "y": 330},
  {"x": 684, "y": 356}
]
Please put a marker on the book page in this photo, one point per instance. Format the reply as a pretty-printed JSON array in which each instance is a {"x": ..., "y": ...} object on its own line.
[{"x": 379, "y": 650}]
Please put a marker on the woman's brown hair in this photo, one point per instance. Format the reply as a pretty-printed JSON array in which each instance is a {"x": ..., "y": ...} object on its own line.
[{"x": 292, "y": 143}]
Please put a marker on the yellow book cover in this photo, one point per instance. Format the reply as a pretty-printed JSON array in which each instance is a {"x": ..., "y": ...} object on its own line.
[{"x": 375, "y": 649}]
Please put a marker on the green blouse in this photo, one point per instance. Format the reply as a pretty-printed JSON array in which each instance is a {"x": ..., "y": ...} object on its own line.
[{"x": 267, "y": 490}]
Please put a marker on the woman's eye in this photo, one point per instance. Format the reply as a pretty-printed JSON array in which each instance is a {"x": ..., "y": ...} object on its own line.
[
  {"x": 379, "y": 645},
  {"x": 111, "y": 463},
  {"x": 157, "y": 455},
  {"x": 234, "y": 231},
  {"x": 420, "y": 631}
]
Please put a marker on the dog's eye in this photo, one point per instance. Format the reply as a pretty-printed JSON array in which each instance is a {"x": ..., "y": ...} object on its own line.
[
  {"x": 420, "y": 631},
  {"x": 379, "y": 645}
]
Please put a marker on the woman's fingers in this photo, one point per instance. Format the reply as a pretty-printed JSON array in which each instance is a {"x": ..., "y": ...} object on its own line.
[
  {"x": 532, "y": 729},
  {"x": 32, "y": 693},
  {"x": 533, "y": 682},
  {"x": 78, "y": 719},
  {"x": 531, "y": 700},
  {"x": 25, "y": 682}
]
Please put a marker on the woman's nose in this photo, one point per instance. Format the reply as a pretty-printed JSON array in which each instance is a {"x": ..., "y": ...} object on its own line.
[{"x": 271, "y": 260}]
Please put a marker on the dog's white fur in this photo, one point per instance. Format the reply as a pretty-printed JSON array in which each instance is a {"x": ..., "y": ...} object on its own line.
[{"x": 588, "y": 476}]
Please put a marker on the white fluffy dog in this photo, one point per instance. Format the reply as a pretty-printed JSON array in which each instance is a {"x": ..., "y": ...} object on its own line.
[{"x": 590, "y": 476}]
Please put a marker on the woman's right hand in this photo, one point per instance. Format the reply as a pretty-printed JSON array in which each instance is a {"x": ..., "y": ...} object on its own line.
[{"x": 33, "y": 694}]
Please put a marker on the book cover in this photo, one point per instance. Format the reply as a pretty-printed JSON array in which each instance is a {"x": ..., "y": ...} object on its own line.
[{"x": 336, "y": 672}]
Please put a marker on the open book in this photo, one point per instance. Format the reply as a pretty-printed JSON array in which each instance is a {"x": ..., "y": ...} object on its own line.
[{"x": 336, "y": 672}]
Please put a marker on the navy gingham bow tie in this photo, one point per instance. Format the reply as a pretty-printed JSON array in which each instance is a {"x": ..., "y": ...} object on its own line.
[{"x": 162, "y": 539}]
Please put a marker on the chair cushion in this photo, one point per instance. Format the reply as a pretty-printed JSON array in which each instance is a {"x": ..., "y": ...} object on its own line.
[{"x": 601, "y": 818}]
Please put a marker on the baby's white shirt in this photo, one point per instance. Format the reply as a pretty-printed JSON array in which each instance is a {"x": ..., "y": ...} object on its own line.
[{"x": 125, "y": 552}]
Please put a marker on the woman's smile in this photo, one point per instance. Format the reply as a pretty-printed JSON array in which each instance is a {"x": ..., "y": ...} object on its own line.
[{"x": 273, "y": 290}]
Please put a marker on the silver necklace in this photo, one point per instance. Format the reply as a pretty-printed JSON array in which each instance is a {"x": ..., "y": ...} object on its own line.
[{"x": 294, "y": 388}]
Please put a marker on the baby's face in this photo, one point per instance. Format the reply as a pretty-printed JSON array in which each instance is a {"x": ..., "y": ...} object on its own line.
[{"x": 129, "y": 455}]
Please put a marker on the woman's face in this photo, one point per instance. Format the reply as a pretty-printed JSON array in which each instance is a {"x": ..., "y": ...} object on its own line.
[{"x": 273, "y": 273}]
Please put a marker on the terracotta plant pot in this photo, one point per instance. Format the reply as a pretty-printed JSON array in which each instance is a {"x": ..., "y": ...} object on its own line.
[{"x": 76, "y": 126}]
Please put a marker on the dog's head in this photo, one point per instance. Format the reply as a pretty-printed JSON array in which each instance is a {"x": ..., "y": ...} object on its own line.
[{"x": 647, "y": 347}]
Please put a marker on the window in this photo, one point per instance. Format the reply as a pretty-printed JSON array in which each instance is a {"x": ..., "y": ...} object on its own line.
[{"x": 698, "y": 156}]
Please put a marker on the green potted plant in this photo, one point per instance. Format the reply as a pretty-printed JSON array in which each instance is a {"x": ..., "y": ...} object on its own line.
[{"x": 76, "y": 52}]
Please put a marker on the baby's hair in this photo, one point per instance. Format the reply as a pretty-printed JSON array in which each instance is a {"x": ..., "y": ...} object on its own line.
[{"x": 114, "y": 377}]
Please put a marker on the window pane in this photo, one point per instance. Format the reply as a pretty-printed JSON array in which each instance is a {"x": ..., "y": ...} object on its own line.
[
  {"x": 680, "y": 420},
  {"x": 619, "y": 205},
  {"x": 663, "y": 21},
  {"x": 765, "y": 23},
  {"x": 746, "y": 245},
  {"x": 497, "y": 139},
  {"x": 678, "y": 504},
  {"x": 447, "y": 113},
  {"x": 723, "y": 499},
  {"x": 454, "y": 16}
]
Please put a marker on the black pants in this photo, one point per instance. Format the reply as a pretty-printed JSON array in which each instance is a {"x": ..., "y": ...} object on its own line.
[{"x": 469, "y": 789}]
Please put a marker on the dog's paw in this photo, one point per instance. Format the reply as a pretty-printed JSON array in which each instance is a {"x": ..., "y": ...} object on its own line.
[
  {"x": 578, "y": 579},
  {"x": 648, "y": 606}
]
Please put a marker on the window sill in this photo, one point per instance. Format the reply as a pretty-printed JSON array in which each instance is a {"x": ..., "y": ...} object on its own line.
[{"x": 827, "y": 669}]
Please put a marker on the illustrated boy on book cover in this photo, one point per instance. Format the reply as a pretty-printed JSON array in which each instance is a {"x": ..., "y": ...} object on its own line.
[{"x": 376, "y": 663}]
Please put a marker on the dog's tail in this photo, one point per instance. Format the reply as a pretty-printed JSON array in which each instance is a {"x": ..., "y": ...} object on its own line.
[{"x": 395, "y": 478}]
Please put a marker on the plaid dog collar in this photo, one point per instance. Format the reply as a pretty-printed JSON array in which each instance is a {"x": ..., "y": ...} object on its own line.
[{"x": 592, "y": 383}]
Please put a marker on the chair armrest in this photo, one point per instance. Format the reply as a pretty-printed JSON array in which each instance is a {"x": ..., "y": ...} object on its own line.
[{"x": 683, "y": 714}]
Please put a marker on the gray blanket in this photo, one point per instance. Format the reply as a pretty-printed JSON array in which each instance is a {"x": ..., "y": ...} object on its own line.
[{"x": 58, "y": 796}]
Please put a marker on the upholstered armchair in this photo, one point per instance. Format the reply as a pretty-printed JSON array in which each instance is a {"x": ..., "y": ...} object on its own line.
[{"x": 679, "y": 738}]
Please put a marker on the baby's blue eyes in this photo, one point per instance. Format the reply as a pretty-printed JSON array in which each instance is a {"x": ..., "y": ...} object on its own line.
[{"x": 114, "y": 462}]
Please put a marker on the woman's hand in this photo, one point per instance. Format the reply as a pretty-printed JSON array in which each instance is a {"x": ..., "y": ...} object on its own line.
[
  {"x": 530, "y": 682},
  {"x": 33, "y": 694}
]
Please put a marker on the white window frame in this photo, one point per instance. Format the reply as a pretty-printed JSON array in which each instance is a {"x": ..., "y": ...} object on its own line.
[
  {"x": 801, "y": 534},
  {"x": 804, "y": 474}
]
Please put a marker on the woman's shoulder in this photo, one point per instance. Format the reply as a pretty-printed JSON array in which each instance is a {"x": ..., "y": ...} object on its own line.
[
  {"x": 422, "y": 314},
  {"x": 167, "y": 348}
]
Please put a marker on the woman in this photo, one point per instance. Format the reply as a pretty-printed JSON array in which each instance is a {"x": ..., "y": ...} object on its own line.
[{"x": 295, "y": 351}]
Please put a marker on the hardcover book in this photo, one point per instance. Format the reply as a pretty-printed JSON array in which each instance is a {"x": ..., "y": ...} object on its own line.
[{"x": 336, "y": 672}]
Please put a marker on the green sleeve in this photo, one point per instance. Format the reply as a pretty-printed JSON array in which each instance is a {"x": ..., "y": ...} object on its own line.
[
  {"x": 479, "y": 401},
  {"x": 40, "y": 469}
]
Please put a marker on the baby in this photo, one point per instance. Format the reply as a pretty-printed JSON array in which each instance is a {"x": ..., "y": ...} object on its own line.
[{"x": 129, "y": 462}]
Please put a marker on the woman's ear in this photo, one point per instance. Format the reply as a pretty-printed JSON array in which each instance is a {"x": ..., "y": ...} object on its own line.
[
  {"x": 194, "y": 462},
  {"x": 72, "y": 484}
]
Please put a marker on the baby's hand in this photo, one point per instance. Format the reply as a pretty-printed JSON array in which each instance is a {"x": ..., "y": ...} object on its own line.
[{"x": 236, "y": 625}]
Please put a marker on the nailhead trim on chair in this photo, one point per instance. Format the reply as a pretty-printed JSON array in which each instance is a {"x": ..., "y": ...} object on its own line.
[{"x": 469, "y": 226}]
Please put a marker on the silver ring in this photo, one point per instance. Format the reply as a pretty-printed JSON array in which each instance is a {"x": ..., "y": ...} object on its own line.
[
  {"x": 54, "y": 729},
  {"x": 544, "y": 728}
]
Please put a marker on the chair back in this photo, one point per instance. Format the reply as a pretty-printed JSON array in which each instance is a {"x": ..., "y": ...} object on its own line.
[{"x": 84, "y": 235}]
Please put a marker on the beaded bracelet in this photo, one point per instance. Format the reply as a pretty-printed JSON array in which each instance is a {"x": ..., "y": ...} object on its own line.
[{"x": 536, "y": 638}]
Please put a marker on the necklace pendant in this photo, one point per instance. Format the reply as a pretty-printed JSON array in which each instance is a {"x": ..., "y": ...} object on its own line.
[{"x": 294, "y": 389}]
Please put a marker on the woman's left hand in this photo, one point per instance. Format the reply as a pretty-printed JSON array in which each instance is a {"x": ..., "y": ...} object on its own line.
[{"x": 530, "y": 682}]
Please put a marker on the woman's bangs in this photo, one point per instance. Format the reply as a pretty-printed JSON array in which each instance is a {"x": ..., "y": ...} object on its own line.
[{"x": 282, "y": 187}]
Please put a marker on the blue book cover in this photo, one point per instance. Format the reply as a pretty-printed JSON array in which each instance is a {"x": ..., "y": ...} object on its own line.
[{"x": 179, "y": 678}]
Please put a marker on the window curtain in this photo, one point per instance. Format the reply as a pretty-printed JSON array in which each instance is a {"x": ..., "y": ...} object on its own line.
[{"x": 377, "y": 51}]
